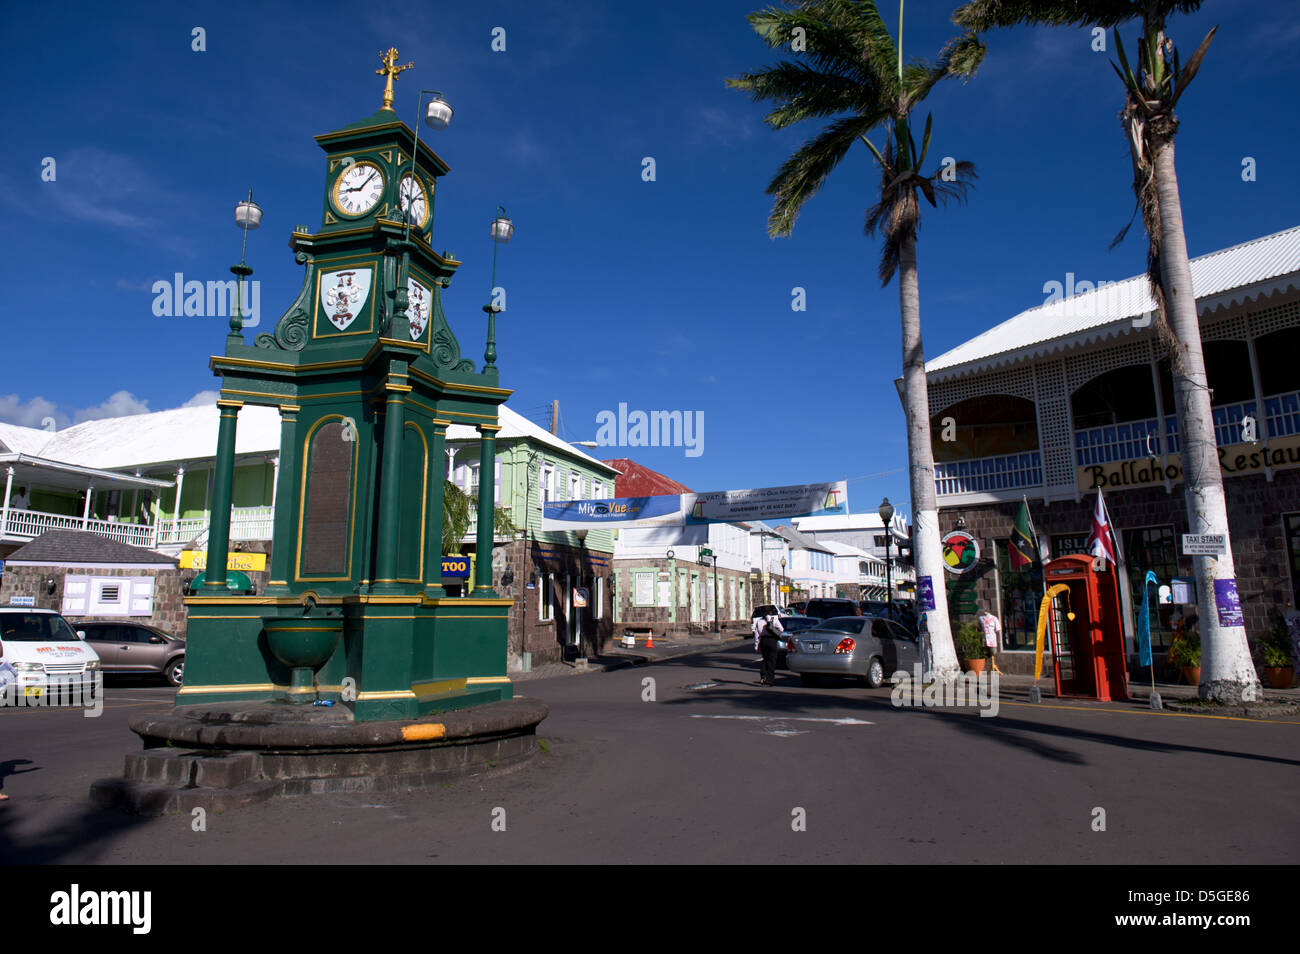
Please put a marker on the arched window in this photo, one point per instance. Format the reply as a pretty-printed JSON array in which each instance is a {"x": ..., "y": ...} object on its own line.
[
  {"x": 1122, "y": 394},
  {"x": 986, "y": 426},
  {"x": 1278, "y": 371}
]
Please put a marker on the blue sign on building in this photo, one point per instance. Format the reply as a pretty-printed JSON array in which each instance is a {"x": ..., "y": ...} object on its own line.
[{"x": 455, "y": 566}]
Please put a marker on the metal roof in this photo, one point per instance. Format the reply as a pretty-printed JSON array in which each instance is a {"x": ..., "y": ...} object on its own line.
[
  {"x": 1260, "y": 267},
  {"x": 180, "y": 434},
  {"x": 516, "y": 426}
]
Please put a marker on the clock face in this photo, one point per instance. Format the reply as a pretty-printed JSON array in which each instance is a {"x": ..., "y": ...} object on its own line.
[
  {"x": 411, "y": 195},
  {"x": 359, "y": 188}
]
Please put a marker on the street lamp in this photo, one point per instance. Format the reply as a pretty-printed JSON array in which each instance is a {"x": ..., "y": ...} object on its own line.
[
  {"x": 248, "y": 216},
  {"x": 502, "y": 229},
  {"x": 784, "y": 583},
  {"x": 886, "y": 515}
]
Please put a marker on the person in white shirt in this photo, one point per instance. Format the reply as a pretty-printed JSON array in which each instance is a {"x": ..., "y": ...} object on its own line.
[
  {"x": 992, "y": 634},
  {"x": 19, "y": 500}
]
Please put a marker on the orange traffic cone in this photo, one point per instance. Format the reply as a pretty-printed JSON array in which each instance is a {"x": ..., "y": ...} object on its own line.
[{"x": 650, "y": 640}]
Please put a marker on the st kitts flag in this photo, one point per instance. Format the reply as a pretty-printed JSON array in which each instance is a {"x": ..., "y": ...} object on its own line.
[
  {"x": 1102, "y": 542},
  {"x": 1024, "y": 540}
]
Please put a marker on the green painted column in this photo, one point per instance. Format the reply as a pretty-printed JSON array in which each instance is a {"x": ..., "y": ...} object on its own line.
[
  {"x": 433, "y": 521},
  {"x": 286, "y": 503},
  {"x": 390, "y": 489},
  {"x": 487, "y": 457},
  {"x": 222, "y": 484}
]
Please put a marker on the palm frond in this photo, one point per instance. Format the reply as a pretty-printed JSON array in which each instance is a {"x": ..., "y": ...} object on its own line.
[
  {"x": 804, "y": 92},
  {"x": 802, "y": 174},
  {"x": 961, "y": 57},
  {"x": 983, "y": 15}
]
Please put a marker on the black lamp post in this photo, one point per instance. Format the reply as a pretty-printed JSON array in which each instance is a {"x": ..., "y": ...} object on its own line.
[
  {"x": 502, "y": 229},
  {"x": 886, "y": 515}
]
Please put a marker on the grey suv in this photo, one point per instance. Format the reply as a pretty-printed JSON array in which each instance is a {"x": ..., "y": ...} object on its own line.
[{"x": 137, "y": 648}]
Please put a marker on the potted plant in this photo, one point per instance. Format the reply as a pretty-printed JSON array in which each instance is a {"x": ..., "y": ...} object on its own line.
[
  {"x": 1275, "y": 654},
  {"x": 1185, "y": 656},
  {"x": 970, "y": 647}
]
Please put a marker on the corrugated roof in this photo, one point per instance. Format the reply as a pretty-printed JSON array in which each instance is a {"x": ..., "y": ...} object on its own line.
[
  {"x": 1257, "y": 267},
  {"x": 77, "y": 546},
  {"x": 801, "y": 541},
  {"x": 183, "y": 433},
  {"x": 16, "y": 439},
  {"x": 517, "y": 426},
  {"x": 839, "y": 521},
  {"x": 637, "y": 480}
]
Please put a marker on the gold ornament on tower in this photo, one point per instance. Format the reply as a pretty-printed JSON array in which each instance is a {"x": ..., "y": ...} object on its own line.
[{"x": 391, "y": 69}]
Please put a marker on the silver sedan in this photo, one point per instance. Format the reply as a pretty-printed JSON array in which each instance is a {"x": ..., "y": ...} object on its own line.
[{"x": 863, "y": 646}]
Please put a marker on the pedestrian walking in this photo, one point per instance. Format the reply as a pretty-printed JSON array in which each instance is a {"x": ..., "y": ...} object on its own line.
[
  {"x": 992, "y": 636},
  {"x": 766, "y": 630}
]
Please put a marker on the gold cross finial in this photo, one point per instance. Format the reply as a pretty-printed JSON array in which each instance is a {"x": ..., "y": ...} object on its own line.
[{"x": 391, "y": 69}]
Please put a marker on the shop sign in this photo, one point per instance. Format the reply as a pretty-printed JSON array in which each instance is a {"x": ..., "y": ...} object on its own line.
[
  {"x": 960, "y": 551},
  {"x": 1235, "y": 460}
]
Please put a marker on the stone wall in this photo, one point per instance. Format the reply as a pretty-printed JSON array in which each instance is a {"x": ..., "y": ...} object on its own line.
[
  {"x": 522, "y": 562},
  {"x": 1255, "y": 510},
  {"x": 168, "y": 607},
  {"x": 677, "y": 619}
]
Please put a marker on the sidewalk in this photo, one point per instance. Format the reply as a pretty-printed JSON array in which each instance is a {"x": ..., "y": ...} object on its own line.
[
  {"x": 1014, "y": 685},
  {"x": 616, "y": 657},
  {"x": 1019, "y": 685}
]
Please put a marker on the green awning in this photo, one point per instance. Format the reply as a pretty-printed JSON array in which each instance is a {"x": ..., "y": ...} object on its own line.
[{"x": 235, "y": 580}]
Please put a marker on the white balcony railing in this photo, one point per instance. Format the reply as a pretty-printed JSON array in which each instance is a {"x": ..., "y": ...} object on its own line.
[
  {"x": 1131, "y": 440},
  {"x": 988, "y": 474},
  {"x": 246, "y": 523},
  {"x": 30, "y": 524}
]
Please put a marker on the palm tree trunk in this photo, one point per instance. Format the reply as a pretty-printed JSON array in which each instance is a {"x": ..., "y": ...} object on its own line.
[
  {"x": 927, "y": 553},
  {"x": 1227, "y": 673}
]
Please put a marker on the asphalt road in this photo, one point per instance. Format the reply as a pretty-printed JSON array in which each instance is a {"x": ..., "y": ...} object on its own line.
[{"x": 721, "y": 773}]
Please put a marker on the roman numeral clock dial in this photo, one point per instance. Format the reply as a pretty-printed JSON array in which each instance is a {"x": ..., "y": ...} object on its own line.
[
  {"x": 413, "y": 202},
  {"x": 358, "y": 189}
]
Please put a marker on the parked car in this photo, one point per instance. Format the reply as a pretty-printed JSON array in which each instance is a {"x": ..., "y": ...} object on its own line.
[
  {"x": 790, "y": 626},
  {"x": 830, "y": 607},
  {"x": 137, "y": 648},
  {"x": 39, "y": 643},
  {"x": 874, "y": 608},
  {"x": 769, "y": 609},
  {"x": 867, "y": 647}
]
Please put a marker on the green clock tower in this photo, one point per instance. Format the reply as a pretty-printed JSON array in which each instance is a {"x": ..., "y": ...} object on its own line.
[{"x": 367, "y": 375}]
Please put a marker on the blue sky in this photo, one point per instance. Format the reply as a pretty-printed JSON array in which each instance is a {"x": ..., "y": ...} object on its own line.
[{"x": 663, "y": 295}]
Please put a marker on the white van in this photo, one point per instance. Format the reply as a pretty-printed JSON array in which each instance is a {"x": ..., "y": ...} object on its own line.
[{"x": 40, "y": 652}]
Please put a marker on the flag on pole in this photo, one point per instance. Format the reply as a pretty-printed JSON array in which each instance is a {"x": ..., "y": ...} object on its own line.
[
  {"x": 1023, "y": 550},
  {"x": 1102, "y": 541}
]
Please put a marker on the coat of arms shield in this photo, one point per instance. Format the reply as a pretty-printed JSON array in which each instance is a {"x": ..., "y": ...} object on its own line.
[
  {"x": 343, "y": 294},
  {"x": 419, "y": 300}
]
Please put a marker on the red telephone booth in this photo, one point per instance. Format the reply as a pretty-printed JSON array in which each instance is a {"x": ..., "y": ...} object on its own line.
[{"x": 1089, "y": 650}]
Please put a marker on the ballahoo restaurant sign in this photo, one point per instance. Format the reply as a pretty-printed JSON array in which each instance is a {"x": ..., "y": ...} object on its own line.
[{"x": 1235, "y": 460}]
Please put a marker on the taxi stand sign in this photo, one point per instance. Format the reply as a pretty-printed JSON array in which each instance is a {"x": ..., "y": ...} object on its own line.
[{"x": 1205, "y": 544}]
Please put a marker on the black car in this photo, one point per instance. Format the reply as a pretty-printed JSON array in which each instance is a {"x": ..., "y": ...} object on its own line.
[{"x": 830, "y": 607}]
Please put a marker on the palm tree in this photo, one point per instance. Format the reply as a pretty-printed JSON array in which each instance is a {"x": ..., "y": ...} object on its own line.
[
  {"x": 846, "y": 64},
  {"x": 1227, "y": 673}
]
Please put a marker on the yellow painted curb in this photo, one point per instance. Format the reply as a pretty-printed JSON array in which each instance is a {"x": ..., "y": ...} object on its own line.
[{"x": 427, "y": 730}]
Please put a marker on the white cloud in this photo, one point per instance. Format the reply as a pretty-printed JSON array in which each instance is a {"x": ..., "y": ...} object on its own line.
[
  {"x": 119, "y": 404},
  {"x": 29, "y": 413},
  {"x": 203, "y": 399}
]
